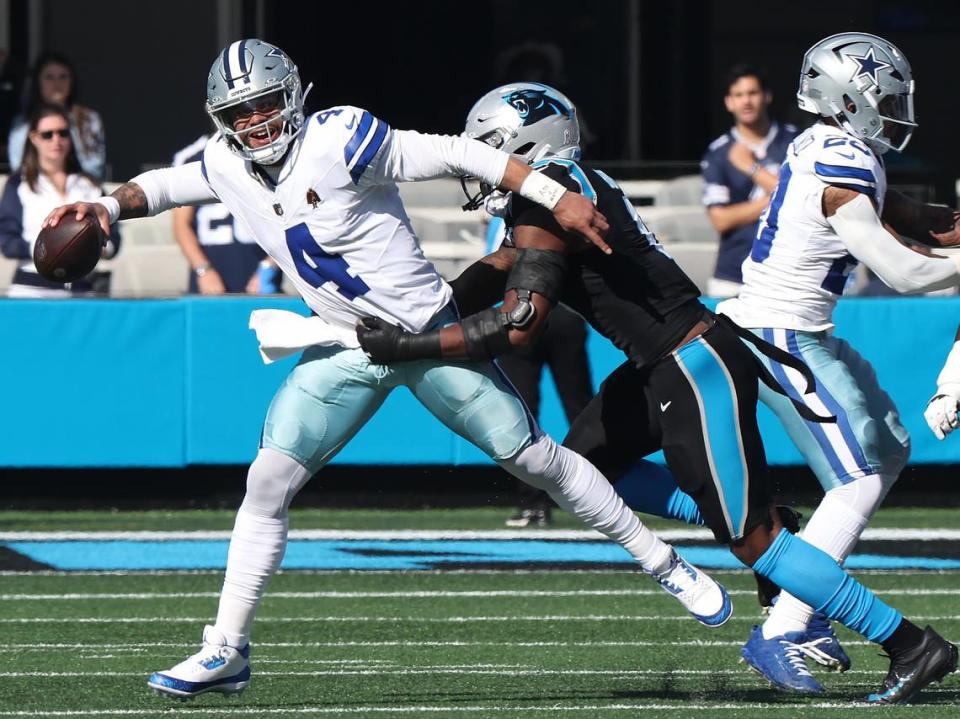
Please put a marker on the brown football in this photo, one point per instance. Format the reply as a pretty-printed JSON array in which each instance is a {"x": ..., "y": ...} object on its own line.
[{"x": 70, "y": 250}]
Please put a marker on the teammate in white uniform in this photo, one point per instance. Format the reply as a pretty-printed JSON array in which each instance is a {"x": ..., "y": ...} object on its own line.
[
  {"x": 824, "y": 218},
  {"x": 943, "y": 410},
  {"x": 320, "y": 196}
]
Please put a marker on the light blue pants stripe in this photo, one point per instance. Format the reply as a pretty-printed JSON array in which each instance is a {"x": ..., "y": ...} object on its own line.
[
  {"x": 868, "y": 438},
  {"x": 718, "y": 409}
]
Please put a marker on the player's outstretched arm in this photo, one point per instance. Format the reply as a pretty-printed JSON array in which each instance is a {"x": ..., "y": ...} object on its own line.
[
  {"x": 149, "y": 193},
  {"x": 855, "y": 220},
  {"x": 932, "y": 225},
  {"x": 410, "y": 156}
]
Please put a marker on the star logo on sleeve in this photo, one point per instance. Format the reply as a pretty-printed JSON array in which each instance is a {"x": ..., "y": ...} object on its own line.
[{"x": 869, "y": 65}]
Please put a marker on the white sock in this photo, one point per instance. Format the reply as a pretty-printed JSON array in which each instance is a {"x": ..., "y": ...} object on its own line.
[
  {"x": 835, "y": 528},
  {"x": 256, "y": 550},
  {"x": 579, "y": 488}
]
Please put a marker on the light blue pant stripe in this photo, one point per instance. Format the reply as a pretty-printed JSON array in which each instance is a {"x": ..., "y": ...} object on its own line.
[
  {"x": 843, "y": 422},
  {"x": 814, "y": 427},
  {"x": 712, "y": 383}
]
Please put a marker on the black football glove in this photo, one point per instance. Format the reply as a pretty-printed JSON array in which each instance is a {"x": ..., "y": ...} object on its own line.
[{"x": 385, "y": 343}]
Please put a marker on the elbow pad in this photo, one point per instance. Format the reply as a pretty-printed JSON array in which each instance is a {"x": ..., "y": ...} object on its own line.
[{"x": 539, "y": 271}]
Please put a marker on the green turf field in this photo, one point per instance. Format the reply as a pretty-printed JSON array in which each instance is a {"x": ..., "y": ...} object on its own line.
[{"x": 422, "y": 644}]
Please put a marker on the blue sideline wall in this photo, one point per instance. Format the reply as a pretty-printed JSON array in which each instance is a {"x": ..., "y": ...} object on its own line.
[{"x": 168, "y": 383}]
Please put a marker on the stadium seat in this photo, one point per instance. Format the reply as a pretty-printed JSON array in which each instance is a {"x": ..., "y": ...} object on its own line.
[{"x": 685, "y": 190}]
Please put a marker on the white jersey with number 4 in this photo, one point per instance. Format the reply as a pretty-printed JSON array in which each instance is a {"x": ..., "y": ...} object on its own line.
[
  {"x": 334, "y": 221},
  {"x": 798, "y": 266}
]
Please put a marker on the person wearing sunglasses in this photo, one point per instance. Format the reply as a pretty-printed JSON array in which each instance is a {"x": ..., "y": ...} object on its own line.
[
  {"x": 49, "y": 176},
  {"x": 54, "y": 82}
]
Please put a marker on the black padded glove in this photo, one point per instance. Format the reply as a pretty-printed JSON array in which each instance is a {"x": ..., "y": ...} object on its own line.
[{"x": 385, "y": 343}]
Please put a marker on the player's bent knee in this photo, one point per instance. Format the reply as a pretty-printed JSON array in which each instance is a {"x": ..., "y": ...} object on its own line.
[
  {"x": 863, "y": 495},
  {"x": 273, "y": 480},
  {"x": 535, "y": 464}
]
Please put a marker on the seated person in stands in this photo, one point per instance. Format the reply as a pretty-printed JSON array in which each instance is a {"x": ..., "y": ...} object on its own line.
[{"x": 49, "y": 175}]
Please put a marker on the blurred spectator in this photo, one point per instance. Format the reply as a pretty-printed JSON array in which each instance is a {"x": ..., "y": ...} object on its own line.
[
  {"x": 222, "y": 253},
  {"x": 740, "y": 171},
  {"x": 563, "y": 348},
  {"x": 49, "y": 177},
  {"x": 11, "y": 78},
  {"x": 54, "y": 82}
]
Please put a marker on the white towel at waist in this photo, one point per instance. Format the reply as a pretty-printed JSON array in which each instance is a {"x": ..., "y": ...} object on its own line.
[{"x": 282, "y": 333}]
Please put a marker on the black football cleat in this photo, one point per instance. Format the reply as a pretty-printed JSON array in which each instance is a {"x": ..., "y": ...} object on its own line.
[
  {"x": 928, "y": 662},
  {"x": 767, "y": 591}
]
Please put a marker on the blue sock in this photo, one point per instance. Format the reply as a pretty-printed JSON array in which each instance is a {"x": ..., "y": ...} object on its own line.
[
  {"x": 650, "y": 487},
  {"x": 813, "y": 577}
]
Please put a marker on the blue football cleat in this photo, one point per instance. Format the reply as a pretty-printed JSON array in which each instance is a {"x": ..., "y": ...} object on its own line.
[
  {"x": 780, "y": 661},
  {"x": 706, "y": 599},
  {"x": 822, "y": 644},
  {"x": 215, "y": 668}
]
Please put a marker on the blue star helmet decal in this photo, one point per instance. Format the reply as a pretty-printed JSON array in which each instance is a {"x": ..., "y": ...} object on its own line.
[
  {"x": 869, "y": 65},
  {"x": 535, "y": 105}
]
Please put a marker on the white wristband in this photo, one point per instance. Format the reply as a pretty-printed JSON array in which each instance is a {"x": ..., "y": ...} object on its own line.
[
  {"x": 113, "y": 207},
  {"x": 541, "y": 189}
]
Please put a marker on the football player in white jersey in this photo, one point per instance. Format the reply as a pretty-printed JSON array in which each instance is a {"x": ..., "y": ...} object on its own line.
[
  {"x": 320, "y": 196},
  {"x": 942, "y": 410},
  {"x": 831, "y": 210}
]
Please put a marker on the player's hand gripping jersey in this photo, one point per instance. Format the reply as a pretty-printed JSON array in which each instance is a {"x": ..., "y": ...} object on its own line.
[
  {"x": 334, "y": 221},
  {"x": 798, "y": 266}
]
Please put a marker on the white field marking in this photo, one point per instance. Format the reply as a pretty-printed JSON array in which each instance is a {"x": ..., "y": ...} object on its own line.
[
  {"x": 143, "y": 647},
  {"x": 466, "y": 669},
  {"x": 518, "y": 571},
  {"x": 411, "y": 619},
  {"x": 428, "y": 594},
  {"x": 510, "y": 710},
  {"x": 668, "y": 535}
]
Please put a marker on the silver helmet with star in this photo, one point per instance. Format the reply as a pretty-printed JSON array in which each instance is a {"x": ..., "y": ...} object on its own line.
[{"x": 864, "y": 83}]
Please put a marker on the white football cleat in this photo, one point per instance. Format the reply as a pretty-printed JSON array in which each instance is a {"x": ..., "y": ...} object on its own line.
[
  {"x": 217, "y": 667},
  {"x": 704, "y": 598}
]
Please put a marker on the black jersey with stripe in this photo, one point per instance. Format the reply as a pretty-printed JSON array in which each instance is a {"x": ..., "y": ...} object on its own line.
[{"x": 638, "y": 297}]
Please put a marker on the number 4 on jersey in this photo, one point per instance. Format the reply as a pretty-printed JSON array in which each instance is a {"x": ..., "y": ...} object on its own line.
[{"x": 318, "y": 267}]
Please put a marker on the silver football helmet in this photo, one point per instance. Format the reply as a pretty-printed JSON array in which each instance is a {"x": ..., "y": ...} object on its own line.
[
  {"x": 865, "y": 84},
  {"x": 526, "y": 119},
  {"x": 249, "y": 76}
]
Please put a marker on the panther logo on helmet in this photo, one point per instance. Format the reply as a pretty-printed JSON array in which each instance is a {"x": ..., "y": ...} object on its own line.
[{"x": 534, "y": 105}]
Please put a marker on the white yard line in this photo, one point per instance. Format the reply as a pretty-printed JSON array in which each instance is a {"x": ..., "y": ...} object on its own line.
[
  {"x": 61, "y": 646},
  {"x": 436, "y": 594},
  {"x": 669, "y": 535},
  {"x": 409, "y": 619},
  {"x": 509, "y": 709}
]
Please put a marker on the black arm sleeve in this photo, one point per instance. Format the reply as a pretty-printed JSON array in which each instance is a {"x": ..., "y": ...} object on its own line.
[{"x": 479, "y": 286}]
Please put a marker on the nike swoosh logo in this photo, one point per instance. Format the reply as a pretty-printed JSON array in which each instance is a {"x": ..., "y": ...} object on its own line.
[
  {"x": 353, "y": 124},
  {"x": 663, "y": 407},
  {"x": 849, "y": 156}
]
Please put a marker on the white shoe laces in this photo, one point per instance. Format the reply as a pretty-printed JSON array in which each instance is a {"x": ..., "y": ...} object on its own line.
[
  {"x": 794, "y": 654},
  {"x": 812, "y": 650}
]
